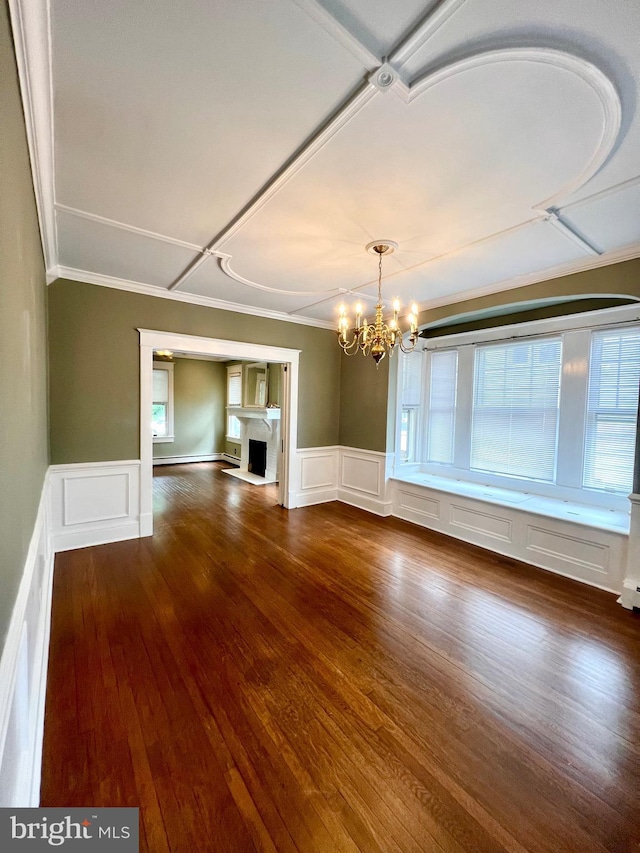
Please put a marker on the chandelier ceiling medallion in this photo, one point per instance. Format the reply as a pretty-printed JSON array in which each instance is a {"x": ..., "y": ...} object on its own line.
[{"x": 379, "y": 338}]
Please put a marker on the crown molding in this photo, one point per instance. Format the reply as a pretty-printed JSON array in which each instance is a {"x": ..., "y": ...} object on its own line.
[
  {"x": 122, "y": 226},
  {"x": 30, "y": 22},
  {"x": 192, "y": 298},
  {"x": 628, "y": 253}
]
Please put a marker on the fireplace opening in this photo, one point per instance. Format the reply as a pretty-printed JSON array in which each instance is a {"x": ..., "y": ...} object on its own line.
[{"x": 257, "y": 457}]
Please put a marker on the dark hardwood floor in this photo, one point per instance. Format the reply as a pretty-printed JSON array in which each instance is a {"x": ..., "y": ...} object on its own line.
[{"x": 326, "y": 680}]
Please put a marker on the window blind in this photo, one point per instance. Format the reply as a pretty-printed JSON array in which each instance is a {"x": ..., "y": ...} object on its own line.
[
  {"x": 442, "y": 406},
  {"x": 412, "y": 378},
  {"x": 612, "y": 408},
  {"x": 515, "y": 409},
  {"x": 160, "y": 386},
  {"x": 234, "y": 388}
]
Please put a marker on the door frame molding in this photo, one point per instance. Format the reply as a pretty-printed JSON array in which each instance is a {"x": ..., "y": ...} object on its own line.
[{"x": 152, "y": 339}]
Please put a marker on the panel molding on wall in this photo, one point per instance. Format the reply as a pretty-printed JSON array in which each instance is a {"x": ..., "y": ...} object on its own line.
[
  {"x": 93, "y": 503},
  {"x": 23, "y": 670},
  {"x": 318, "y": 475},
  {"x": 363, "y": 478},
  {"x": 589, "y": 554},
  {"x": 347, "y": 474}
]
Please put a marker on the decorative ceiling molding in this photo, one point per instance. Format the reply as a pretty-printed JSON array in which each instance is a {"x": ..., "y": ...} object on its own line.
[
  {"x": 458, "y": 250},
  {"x": 30, "y": 23},
  {"x": 32, "y": 35},
  {"x": 122, "y": 226},
  {"x": 386, "y": 78},
  {"x": 618, "y": 188},
  {"x": 555, "y": 219},
  {"x": 194, "y": 299},
  {"x": 356, "y": 102},
  {"x": 423, "y": 32},
  {"x": 628, "y": 253},
  {"x": 351, "y": 108},
  {"x": 581, "y": 68},
  {"x": 225, "y": 265},
  {"x": 344, "y": 36}
]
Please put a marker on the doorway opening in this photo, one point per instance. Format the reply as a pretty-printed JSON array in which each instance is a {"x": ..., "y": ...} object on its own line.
[{"x": 151, "y": 340}]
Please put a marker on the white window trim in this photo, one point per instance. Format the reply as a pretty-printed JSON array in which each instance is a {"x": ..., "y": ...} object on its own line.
[
  {"x": 575, "y": 332},
  {"x": 170, "y": 438}
]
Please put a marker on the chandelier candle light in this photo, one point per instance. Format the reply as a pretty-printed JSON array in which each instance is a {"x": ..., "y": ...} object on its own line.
[{"x": 379, "y": 338}]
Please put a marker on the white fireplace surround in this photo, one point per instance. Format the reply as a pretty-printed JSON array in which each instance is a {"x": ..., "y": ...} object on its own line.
[{"x": 259, "y": 425}]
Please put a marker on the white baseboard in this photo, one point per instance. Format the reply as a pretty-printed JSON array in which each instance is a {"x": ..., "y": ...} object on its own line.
[
  {"x": 93, "y": 503},
  {"x": 370, "y": 504},
  {"x": 179, "y": 460},
  {"x": 23, "y": 671},
  {"x": 316, "y": 496},
  {"x": 229, "y": 457}
]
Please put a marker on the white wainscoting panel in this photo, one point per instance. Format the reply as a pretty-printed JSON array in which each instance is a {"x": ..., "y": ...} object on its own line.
[
  {"x": 363, "y": 477},
  {"x": 418, "y": 504},
  {"x": 94, "y": 502},
  {"x": 490, "y": 524},
  {"x": 589, "y": 554},
  {"x": 23, "y": 671},
  {"x": 318, "y": 475}
]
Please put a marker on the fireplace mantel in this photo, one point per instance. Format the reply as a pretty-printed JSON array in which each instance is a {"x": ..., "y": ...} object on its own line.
[{"x": 270, "y": 414}]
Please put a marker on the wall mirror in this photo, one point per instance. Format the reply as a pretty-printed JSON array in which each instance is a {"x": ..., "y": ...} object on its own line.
[{"x": 256, "y": 383}]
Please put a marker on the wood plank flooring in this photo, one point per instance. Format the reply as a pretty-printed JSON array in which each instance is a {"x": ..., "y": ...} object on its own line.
[{"x": 326, "y": 680}]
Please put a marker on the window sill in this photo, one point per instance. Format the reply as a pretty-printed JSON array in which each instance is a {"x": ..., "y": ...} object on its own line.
[
  {"x": 163, "y": 439},
  {"x": 590, "y": 516}
]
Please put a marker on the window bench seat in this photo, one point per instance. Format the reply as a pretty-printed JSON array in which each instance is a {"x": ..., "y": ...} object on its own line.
[
  {"x": 603, "y": 519},
  {"x": 579, "y": 541}
]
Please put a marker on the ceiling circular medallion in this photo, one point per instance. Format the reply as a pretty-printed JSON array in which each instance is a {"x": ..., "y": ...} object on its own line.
[{"x": 390, "y": 245}]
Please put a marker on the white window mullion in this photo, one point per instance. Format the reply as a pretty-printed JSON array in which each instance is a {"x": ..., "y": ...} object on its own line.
[{"x": 573, "y": 394}]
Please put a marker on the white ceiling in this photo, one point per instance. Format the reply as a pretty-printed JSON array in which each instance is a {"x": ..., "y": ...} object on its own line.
[{"x": 244, "y": 153}]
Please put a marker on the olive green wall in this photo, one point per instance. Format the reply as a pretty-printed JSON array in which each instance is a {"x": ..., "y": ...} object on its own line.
[
  {"x": 23, "y": 377},
  {"x": 199, "y": 392},
  {"x": 363, "y": 402},
  {"x": 94, "y": 365},
  {"x": 612, "y": 280}
]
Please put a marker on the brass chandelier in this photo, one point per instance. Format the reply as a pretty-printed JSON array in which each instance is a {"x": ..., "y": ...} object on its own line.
[{"x": 379, "y": 338}]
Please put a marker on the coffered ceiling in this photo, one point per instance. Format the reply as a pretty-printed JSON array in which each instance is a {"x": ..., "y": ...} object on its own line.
[{"x": 242, "y": 154}]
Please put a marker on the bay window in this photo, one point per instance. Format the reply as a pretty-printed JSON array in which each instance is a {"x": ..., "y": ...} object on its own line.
[{"x": 551, "y": 412}]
